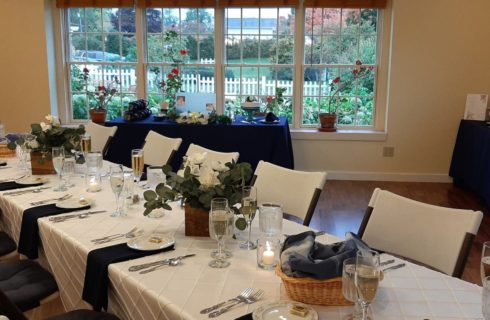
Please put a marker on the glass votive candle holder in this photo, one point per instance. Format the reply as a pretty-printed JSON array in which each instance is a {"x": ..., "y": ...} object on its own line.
[
  {"x": 268, "y": 251},
  {"x": 94, "y": 182}
]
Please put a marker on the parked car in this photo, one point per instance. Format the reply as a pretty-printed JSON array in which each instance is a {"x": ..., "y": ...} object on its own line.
[{"x": 96, "y": 56}]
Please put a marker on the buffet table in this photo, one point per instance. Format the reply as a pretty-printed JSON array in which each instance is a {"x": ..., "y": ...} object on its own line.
[
  {"x": 470, "y": 165},
  {"x": 254, "y": 142},
  {"x": 179, "y": 292}
]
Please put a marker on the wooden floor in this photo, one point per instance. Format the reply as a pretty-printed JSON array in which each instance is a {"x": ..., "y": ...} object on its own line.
[{"x": 342, "y": 204}]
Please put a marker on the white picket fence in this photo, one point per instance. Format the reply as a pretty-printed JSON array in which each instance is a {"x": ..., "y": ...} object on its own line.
[{"x": 196, "y": 83}]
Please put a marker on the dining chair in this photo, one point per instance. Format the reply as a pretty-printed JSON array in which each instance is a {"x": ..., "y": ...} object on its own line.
[
  {"x": 7, "y": 247},
  {"x": 12, "y": 312},
  {"x": 159, "y": 149},
  {"x": 100, "y": 136},
  {"x": 212, "y": 155},
  {"x": 296, "y": 191},
  {"x": 27, "y": 284},
  {"x": 435, "y": 236}
]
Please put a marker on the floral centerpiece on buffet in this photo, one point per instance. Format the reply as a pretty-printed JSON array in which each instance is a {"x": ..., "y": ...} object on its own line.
[
  {"x": 200, "y": 180},
  {"x": 273, "y": 104}
]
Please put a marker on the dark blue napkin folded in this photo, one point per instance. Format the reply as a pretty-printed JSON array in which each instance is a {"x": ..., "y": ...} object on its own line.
[
  {"x": 97, "y": 274},
  {"x": 3, "y": 164},
  {"x": 11, "y": 185},
  {"x": 247, "y": 316},
  {"x": 301, "y": 256},
  {"x": 29, "y": 230}
]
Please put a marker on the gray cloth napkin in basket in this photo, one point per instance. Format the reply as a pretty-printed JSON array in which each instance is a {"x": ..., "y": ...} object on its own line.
[{"x": 301, "y": 256}]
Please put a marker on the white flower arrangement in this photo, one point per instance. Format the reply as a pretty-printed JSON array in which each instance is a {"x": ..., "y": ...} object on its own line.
[{"x": 192, "y": 118}]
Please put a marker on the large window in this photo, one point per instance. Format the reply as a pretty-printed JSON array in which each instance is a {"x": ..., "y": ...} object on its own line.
[{"x": 252, "y": 51}]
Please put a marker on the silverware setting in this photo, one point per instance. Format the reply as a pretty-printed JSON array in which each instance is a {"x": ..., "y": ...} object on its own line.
[
  {"x": 167, "y": 262},
  {"x": 82, "y": 215},
  {"x": 37, "y": 203},
  {"x": 398, "y": 266},
  {"x": 244, "y": 294},
  {"x": 317, "y": 234},
  {"x": 251, "y": 299},
  {"x": 24, "y": 191},
  {"x": 387, "y": 262},
  {"x": 13, "y": 179},
  {"x": 130, "y": 234},
  {"x": 5, "y": 167}
]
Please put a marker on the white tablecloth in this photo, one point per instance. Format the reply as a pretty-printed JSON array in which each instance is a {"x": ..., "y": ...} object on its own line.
[{"x": 413, "y": 292}]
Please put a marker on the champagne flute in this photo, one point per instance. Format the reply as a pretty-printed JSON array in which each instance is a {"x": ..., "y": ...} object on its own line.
[
  {"x": 485, "y": 261},
  {"x": 117, "y": 184},
  {"x": 137, "y": 163},
  {"x": 248, "y": 210},
  {"x": 86, "y": 144},
  {"x": 485, "y": 301},
  {"x": 58, "y": 156},
  {"x": 220, "y": 226},
  {"x": 349, "y": 287},
  {"x": 366, "y": 278}
]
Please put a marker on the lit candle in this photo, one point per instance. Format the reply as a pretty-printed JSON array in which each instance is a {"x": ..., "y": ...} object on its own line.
[
  {"x": 93, "y": 184},
  {"x": 268, "y": 255}
]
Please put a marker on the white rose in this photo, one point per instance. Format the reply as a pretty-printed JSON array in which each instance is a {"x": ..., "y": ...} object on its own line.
[
  {"x": 53, "y": 120},
  {"x": 197, "y": 158},
  {"x": 45, "y": 127},
  {"x": 33, "y": 144},
  {"x": 180, "y": 173},
  {"x": 208, "y": 177},
  {"x": 218, "y": 166}
]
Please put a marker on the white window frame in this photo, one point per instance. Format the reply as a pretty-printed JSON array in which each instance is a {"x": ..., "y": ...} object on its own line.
[{"x": 301, "y": 132}]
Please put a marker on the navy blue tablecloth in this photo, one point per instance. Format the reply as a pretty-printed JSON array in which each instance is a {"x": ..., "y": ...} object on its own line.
[
  {"x": 470, "y": 165},
  {"x": 254, "y": 142}
]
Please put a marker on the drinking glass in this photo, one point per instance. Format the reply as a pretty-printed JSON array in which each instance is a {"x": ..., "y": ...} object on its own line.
[
  {"x": 86, "y": 143},
  {"x": 220, "y": 226},
  {"x": 485, "y": 302},
  {"x": 349, "y": 287},
  {"x": 137, "y": 163},
  {"x": 270, "y": 219},
  {"x": 94, "y": 162},
  {"x": 68, "y": 170},
  {"x": 485, "y": 261},
  {"x": 58, "y": 156},
  {"x": 248, "y": 210},
  {"x": 154, "y": 176},
  {"x": 116, "y": 179},
  {"x": 366, "y": 278},
  {"x": 128, "y": 190}
]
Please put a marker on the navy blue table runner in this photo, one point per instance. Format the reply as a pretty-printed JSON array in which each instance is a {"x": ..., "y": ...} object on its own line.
[
  {"x": 97, "y": 275},
  {"x": 11, "y": 185},
  {"x": 254, "y": 142},
  {"x": 29, "y": 230}
]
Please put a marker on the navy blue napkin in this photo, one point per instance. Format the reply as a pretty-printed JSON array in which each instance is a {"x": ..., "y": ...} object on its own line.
[
  {"x": 3, "y": 164},
  {"x": 247, "y": 316},
  {"x": 97, "y": 274},
  {"x": 11, "y": 185},
  {"x": 29, "y": 230}
]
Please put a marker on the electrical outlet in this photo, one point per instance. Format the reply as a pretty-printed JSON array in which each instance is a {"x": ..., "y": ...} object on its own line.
[{"x": 388, "y": 151}]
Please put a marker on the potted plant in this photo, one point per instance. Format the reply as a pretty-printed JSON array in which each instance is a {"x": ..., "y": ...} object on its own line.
[
  {"x": 198, "y": 183},
  {"x": 101, "y": 94},
  {"x": 328, "y": 120},
  {"x": 273, "y": 105},
  {"x": 44, "y": 136}
]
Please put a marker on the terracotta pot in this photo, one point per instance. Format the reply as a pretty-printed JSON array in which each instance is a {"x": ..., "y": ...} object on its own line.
[
  {"x": 328, "y": 122},
  {"x": 196, "y": 221},
  {"x": 98, "y": 115},
  {"x": 42, "y": 163}
]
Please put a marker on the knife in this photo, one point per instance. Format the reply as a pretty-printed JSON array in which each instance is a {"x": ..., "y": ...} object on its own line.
[
  {"x": 15, "y": 193},
  {"x": 398, "y": 266},
  {"x": 69, "y": 216}
]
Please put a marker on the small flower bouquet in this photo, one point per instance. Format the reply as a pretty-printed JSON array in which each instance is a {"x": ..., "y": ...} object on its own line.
[{"x": 192, "y": 118}]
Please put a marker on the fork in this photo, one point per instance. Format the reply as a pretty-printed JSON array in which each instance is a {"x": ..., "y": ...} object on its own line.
[
  {"x": 114, "y": 235},
  {"x": 252, "y": 299},
  {"x": 13, "y": 179},
  {"x": 244, "y": 294},
  {"x": 127, "y": 235},
  {"x": 66, "y": 196}
]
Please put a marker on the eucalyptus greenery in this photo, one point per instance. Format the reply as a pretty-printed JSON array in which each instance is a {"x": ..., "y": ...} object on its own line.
[{"x": 228, "y": 185}]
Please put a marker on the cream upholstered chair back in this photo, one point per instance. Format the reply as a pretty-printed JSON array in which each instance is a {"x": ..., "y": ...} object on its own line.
[
  {"x": 159, "y": 149},
  {"x": 212, "y": 155},
  {"x": 436, "y": 236},
  {"x": 296, "y": 191},
  {"x": 100, "y": 136}
]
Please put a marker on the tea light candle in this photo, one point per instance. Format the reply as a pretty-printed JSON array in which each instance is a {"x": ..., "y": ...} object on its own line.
[
  {"x": 268, "y": 257},
  {"x": 93, "y": 184}
]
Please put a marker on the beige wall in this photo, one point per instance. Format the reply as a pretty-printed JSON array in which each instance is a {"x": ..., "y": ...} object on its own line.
[{"x": 440, "y": 52}]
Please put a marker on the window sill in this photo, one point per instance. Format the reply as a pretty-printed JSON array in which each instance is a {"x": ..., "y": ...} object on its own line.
[{"x": 340, "y": 135}]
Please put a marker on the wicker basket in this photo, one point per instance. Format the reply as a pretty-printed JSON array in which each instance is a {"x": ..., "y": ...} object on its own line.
[{"x": 312, "y": 291}]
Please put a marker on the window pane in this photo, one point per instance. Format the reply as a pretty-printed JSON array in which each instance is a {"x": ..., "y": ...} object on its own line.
[
  {"x": 154, "y": 46},
  {"x": 76, "y": 20},
  {"x": 285, "y": 50},
  {"x": 285, "y": 19},
  {"x": 190, "y": 20},
  {"x": 110, "y": 20},
  {"x": 233, "y": 49},
  {"x": 93, "y": 20},
  {"x": 232, "y": 81},
  {"x": 331, "y": 21},
  {"x": 112, "y": 47},
  {"x": 268, "y": 50},
  {"x": 310, "y": 110},
  {"x": 77, "y": 47},
  {"x": 154, "y": 21},
  {"x": 170, "y": 19},
  {"x": 250, "y": 49},
  {"x": 350, "y": 20}
]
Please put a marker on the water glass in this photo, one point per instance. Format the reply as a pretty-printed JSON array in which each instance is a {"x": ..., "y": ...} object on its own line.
[
  {"x": 366, "y": 278},
  {"x": 80, "y": 166},
  {"x": 116, "y": 180},
  {"x": 155, "y": 176},
  {"x": 128, "y": 190},
  {"x": 485, "y": 261},
  {"x": 485, "y": 302},
  {"x": 270, "y": 219},
  {"x": 68, "y": 170},
  {"x": 248, "y": 210},
  {"x": 94, "y": 162},
  {"x": 94, "y": 183},
  {"x": 58, "y": 157}
]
